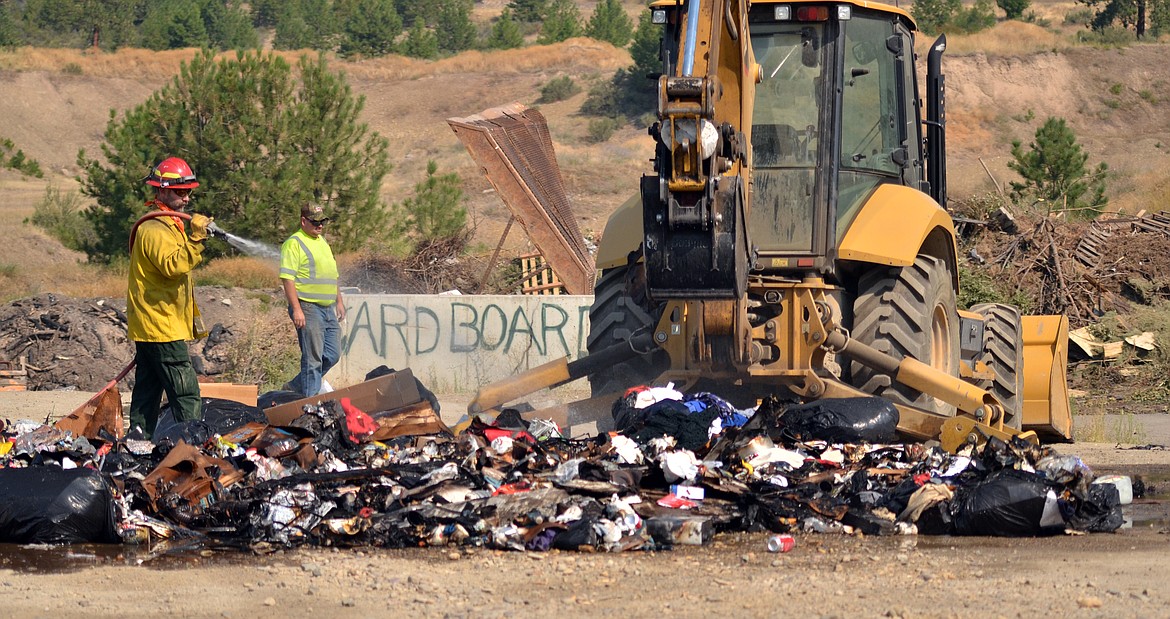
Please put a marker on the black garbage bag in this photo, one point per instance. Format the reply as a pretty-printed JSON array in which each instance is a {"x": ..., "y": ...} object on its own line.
[
  {"x": 580, "y": 533},
  {"x": 1008, "y": 503},
  {"x": 49, "y": 505},
  {"x": 219, "y": 417},
  {"x": 1096, "y": 511},
  {"x": 268, "y": 399},
  {"x": 845, "y": 420},
  {"x": 673, "y": 418}
]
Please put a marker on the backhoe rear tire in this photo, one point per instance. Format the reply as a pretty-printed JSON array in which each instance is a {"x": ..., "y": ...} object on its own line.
[
  {"x": 618, "y": 312},
  {"x": 907, "y": 312},
  {"x": 1003, "y": 352}
]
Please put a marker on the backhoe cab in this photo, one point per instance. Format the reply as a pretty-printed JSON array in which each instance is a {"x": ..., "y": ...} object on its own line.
[{"x": 793, "y": 235}]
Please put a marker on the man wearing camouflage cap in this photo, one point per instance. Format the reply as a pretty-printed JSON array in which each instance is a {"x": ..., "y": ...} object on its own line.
[{"x": 308, "y": 274}]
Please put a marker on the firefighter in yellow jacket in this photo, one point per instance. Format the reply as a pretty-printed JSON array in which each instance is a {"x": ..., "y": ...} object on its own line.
[{"x": 160, "y": 303}]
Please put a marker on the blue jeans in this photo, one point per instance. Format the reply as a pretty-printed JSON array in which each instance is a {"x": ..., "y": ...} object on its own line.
[{"x": 320, "y": 348}]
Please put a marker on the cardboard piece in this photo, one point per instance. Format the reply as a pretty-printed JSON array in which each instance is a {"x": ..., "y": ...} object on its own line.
[
  {"x": 383, "y": 393},
  {"x": 104, "y": 410},
  {"x": 190, "y": 474},
  {"x": 244, "y": 394},
  {"x": 410, "y": 420}
]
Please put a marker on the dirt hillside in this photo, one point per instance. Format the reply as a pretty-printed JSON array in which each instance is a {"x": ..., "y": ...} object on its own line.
[{"x": 1113, "y": 99}]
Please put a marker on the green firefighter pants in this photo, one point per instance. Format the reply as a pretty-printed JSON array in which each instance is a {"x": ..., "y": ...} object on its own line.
[{"x": 163, "y": 367}]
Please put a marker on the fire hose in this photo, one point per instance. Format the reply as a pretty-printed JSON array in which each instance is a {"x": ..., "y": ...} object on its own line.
[{"x": 212, "y": 229}]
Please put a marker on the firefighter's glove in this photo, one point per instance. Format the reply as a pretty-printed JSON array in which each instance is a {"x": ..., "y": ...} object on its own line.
[{"x": 199, "y": 225}]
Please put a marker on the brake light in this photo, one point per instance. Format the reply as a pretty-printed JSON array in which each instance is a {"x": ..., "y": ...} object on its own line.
[{"x": 812, "y": 13}]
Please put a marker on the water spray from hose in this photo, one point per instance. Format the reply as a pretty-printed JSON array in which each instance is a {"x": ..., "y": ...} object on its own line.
[{"x": 247, "y": 246}]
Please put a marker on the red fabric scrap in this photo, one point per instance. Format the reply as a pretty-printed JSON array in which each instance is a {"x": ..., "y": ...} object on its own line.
[
  {"x": 677, "y": 502},
  {"x": 514, "y": 488},
  {"x": 517, "y": 435},
  {"x": 359, "y": 424}
]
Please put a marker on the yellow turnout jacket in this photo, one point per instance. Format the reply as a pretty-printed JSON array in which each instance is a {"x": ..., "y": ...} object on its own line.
[{"x": 160, "y": 301}]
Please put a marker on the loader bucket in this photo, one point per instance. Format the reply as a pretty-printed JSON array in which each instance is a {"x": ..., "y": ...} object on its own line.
[{"x": 1046, "y": 407}]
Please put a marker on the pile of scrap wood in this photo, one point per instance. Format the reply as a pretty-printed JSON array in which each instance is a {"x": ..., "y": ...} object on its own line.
[{"x": 1082, "y": 270}]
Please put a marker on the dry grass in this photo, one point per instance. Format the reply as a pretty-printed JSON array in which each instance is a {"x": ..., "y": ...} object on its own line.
[
  {"x": 574, "y": 52},
  {"x": 31, "y": 263},
  {"x": 1094, "y": 426},
  {"x": 265, "y": 353},
  {"x": 239, "y": 272},
  {"x": 1007, "y": 38},
  {"x": 134, "y": 63}
]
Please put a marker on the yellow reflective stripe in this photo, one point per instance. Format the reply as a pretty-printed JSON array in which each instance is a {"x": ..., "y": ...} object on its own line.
[
  {"x": 309, "y": 257},
  {"x": 316, "y": 280}
]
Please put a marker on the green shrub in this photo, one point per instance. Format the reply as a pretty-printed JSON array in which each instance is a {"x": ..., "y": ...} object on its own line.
[
  {"x": 1078, "y": 17},
  {"x": 72, "y": 68},
  {"x": 1032, "y": 18},
  {"x": 1110, "y": 37},
  {"x": 601, "y": 129},
  {"x": 14, "y": 158},
  {"x": 1013, "y": 9},
  {"x": 603, "y": 100},
  {"x": 981, "y": 286},
  {"x": 979, "y": 17},
  {"x": 558, "y": 89},
  {"x": 61, "y": 215}
]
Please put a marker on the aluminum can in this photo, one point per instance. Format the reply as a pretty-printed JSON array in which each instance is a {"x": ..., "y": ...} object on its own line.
[{"x": 781, "y": 543}]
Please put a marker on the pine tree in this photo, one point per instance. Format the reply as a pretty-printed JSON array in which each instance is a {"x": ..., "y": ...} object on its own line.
[
  {"x": 1142, "y": 16},
  {"x": 9, "y": 35},
  {"x": 529, "y": 11},
  {"x": 630, "y": 92},
  {"x": 435, "y": 212},
  {"x": 933, "y": 15},
  {"x": 1013, "y": 9},
  {"x": 505, "y": 33},
  {"x": 266, "y": 13},
  {"x": 173, "y": 25},
  {"x": 610, "y": 23},
  {"x": 415, "y": 10},
  {"x": 228, "y": 25},
  {"x": 306, "y": 24},
  {"x": 454, "y": 29},
  {"x": 1054, "y": 171},
  {"x": 421, "y": 42},
  {"x": 81, "y": 23},
  {"x": 262, "y": 143},
  {"x": 371, "y": 29},
  {"x": 563, "y": 22},
  {"x": 645, "y": 47}
]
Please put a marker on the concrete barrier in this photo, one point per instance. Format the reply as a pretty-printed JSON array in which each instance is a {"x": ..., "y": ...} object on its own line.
[{"x": 455, "y": 344}]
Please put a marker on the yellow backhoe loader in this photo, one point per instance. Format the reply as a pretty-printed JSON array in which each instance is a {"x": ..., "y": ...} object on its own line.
[{"x": 794, "y": 236}]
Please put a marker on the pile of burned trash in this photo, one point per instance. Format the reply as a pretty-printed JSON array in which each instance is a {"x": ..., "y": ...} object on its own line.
[{"x": 678, "y": 470}]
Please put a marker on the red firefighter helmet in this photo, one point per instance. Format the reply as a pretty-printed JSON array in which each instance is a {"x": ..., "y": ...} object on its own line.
[{"x": 172, "y": 173}]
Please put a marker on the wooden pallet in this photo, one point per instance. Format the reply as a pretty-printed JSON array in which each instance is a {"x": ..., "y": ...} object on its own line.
[{"x": 13, "y": 375}]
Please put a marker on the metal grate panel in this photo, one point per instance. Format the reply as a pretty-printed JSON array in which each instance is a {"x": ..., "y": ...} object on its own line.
[{"x": 513, "y": 146}]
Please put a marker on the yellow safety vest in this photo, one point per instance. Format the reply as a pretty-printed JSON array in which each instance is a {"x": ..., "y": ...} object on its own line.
[{"x": 309, "y": 263}]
